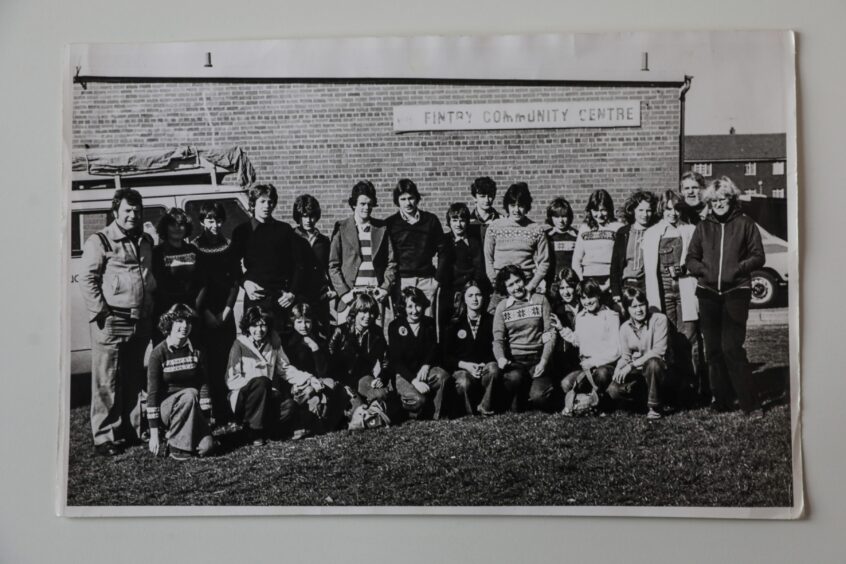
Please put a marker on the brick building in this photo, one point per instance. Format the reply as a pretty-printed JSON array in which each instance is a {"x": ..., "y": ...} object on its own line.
[
  {"x": 320, "y": 137},
  {"x": 756, "y": 163}
]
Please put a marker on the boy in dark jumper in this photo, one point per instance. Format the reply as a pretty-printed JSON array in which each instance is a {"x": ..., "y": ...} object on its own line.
[
  {"x": 460, "y": 262},
  {"x": 272, "y": 257},
  {"x": 417, "y": 237}
]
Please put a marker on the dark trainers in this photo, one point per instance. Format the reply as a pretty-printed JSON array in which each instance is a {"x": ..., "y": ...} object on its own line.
[
  {"x": 108, "y": 449},
  {"x": 179, "y": 455}
]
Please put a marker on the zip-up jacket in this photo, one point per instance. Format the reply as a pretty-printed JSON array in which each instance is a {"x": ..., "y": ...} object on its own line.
[
  {"x": 724, "y": 253},
  {"x": 117, "y": 273}
]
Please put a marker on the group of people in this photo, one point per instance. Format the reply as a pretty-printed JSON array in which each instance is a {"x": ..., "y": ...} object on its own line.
[{"x": 496, "y": 313}]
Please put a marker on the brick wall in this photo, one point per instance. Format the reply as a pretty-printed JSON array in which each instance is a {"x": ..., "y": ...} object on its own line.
[{"x": 321, "y": 138}]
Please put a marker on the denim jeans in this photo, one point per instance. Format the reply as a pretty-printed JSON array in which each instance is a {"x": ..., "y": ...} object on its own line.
[
  {"x": 630, "y": 392},
  {"x": 478, "y": 392}
]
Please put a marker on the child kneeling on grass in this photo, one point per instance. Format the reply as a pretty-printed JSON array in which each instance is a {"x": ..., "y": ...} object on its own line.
[
  {"x": 643, "y": 346},
  {"x": 177, "y": 389},
  {"x": 523, "y": 340},
  {"x": 357, "y": 352},
  {"x": 321, "y": 406},
  {"x": 468, "y": 352},
  {"x": 420, "y": 383},
  {"x": 597, "y": 335},
  {"x": 258, "y": 378}
]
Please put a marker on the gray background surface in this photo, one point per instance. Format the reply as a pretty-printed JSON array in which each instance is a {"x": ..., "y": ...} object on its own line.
[{"x": 32, "y": 35}]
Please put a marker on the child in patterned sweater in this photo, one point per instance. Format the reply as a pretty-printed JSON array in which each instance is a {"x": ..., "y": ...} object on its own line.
[
  {"x": 177, "y": 389},
  {"x": 523, "y": 341}
]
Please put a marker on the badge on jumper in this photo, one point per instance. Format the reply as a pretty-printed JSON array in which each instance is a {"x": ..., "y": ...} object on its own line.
[
  {"x": 462, "y": 334},
  {"x": 403, "y": 331}
]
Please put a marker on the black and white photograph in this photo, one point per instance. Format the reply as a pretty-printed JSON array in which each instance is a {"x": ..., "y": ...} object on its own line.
[{"x": 489, "y": 275}]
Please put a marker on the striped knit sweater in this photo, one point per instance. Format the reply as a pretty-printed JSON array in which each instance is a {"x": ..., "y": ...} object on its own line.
[{"x": 173, "y": 369}]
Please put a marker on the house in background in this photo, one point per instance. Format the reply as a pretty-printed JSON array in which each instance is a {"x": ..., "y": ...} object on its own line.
[{"x": 756, "y": 162}]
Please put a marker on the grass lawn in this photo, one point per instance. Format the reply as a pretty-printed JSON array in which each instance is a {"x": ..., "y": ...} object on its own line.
[{"x": 691, "y": 458}]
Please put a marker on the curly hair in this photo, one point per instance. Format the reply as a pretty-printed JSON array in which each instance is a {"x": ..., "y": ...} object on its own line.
[
  {"x": 132, "y": 197},
  {"x": 177, "y": 312},
  {"x": 483, "y": 185},
  {"x": 634, "y": 201},
  {"x": 252, "y": 317},
  {"x": 306, "y": 205},
  {"x": 503, "y": 275},
  {"x": 414, "y": 295},
  {"x": 174, "y": 217},
  {"x": 363, "y": 188},
  {"x": 212, "y": 210}
]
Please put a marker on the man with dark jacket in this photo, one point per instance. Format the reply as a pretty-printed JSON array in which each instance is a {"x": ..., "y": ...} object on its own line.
[{"x": 724, "y": 251}]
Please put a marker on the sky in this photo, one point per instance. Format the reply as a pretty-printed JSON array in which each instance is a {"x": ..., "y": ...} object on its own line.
[{"x": 740, "y": 79}]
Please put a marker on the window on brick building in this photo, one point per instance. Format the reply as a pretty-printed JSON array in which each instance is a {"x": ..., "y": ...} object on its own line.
[
  {"x": 705, "y": 169},
  {"x": 751, "y": 169},
  {"x": 778, "y": 168}
]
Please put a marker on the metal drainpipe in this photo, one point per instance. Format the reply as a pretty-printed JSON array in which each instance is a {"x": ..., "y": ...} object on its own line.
[{"x": 682, "y": 93}]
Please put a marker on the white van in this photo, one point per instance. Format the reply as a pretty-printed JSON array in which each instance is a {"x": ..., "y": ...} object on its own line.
[{"x": 186, "y": 182}]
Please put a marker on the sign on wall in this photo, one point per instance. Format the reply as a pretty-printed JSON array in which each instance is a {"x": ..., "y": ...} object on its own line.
[{"x": 554, "y": 115}]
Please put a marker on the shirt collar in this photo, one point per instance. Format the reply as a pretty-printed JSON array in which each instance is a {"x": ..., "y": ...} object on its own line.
[
  {"x": 117, "y": 234},
  {"x": 361, "y": 225},
  {"x": 172, "y": 346},
  {"x": 412, "y": 218}
]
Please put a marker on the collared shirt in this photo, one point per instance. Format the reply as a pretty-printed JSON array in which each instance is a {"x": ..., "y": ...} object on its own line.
[{"x": 410, "y": 219}]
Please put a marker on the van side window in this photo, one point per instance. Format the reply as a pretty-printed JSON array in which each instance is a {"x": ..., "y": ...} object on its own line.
[
  {"x": 235, "y": 214},
  {"x": 86, "y": 222}
]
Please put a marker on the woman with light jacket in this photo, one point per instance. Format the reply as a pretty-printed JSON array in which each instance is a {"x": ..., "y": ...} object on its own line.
[
  {"x": 724, "y": 251},
  {"x": 671, "y": 290}
]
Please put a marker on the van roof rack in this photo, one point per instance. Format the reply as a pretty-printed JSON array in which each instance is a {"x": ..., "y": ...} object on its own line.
[{"x": 187, "y": 164}]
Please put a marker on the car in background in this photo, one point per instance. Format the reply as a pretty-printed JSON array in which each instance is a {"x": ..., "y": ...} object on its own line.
[{"x": 769, "y": 283}]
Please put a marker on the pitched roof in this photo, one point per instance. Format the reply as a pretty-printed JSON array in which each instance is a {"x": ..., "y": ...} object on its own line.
[{"x": 737, "y": 147}]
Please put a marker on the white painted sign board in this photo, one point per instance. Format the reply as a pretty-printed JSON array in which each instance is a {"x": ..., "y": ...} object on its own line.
[{"x": 548, "y": 115}]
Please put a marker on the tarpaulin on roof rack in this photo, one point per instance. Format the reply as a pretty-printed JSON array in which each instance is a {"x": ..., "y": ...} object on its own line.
[{"x": 130, "y": 162}]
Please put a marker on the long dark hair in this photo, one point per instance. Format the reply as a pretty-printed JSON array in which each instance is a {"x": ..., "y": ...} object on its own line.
[
  {"x": 460, "y": 307},
  {"x": 599, "y": 199}
]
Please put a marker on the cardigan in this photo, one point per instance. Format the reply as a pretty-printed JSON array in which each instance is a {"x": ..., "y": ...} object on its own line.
[
  {"x": 460, "y": 344},
  {"x": 409, "y": 352}
]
